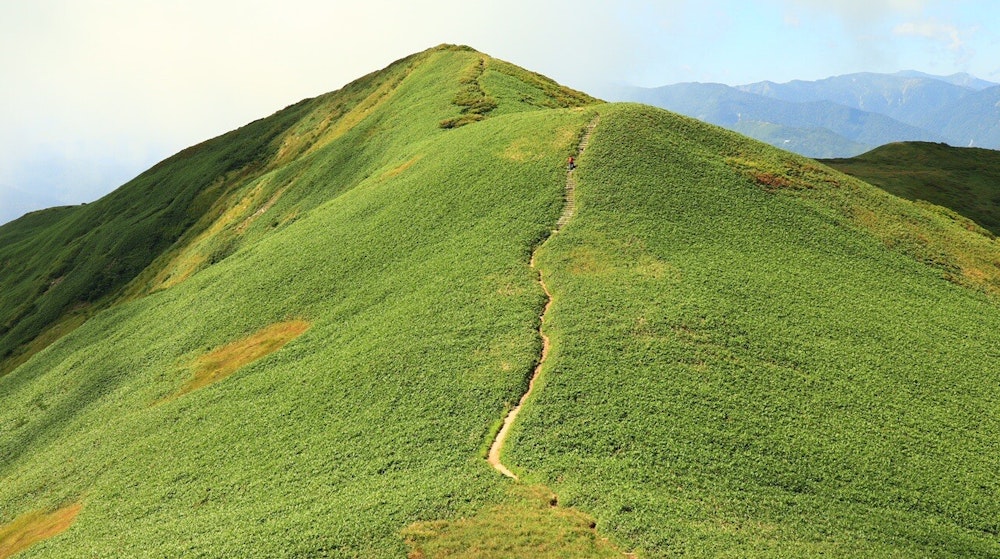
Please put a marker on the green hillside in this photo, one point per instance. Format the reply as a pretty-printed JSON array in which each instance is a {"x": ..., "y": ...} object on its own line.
[
  {"x": 750, "y": 358},
  {"x": 57, "y": 266},
  {"x": 751, "y": 354},
  {"x": 966, "y": 180}
]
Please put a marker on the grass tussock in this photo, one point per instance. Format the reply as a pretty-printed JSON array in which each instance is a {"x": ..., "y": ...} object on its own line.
[
  {"x": 475, "y": 104},
  {"x": 29, "y": 529}
]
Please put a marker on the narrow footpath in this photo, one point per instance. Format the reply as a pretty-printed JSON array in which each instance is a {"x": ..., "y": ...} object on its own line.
[{"x": 569, "y": 207}]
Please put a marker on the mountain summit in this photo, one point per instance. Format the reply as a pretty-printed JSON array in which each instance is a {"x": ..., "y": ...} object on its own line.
[{"x": 301, "y": 339}]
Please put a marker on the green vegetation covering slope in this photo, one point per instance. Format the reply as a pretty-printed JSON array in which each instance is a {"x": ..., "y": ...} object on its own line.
[
  {"x": 751, "y": 354},
  {"x": 56, "y": 264},
  {"x": 744, "y": 365},
  {"x": 196, "y": 208},
  {"x": 404, "y": 246},
  {"x": 966, "y": 180}
]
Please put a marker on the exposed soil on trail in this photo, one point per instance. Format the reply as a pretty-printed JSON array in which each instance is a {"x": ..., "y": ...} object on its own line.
[{"x": 569, "y": 208}]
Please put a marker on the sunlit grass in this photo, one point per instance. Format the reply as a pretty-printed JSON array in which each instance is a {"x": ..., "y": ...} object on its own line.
[
  {"x": 751, "y": 355},
  {"x": 743, "y": 366},
  {"x": 405, "y": 247}
]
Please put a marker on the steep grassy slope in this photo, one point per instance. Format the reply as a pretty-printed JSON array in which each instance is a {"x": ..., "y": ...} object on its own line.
[
  {"x": 58, "y": 263},
  {"x": 966, "y": 180},
  {"x": 749, "y": 360},
  {"x": 196, "y": 208},
  {"x": 403, "y": 246}
]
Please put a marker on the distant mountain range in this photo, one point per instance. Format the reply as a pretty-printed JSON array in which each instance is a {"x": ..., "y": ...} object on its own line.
[{"x": 842, "y": 116}]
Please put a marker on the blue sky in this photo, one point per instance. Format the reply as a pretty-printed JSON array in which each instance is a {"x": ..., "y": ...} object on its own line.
[
  {"x": 96, "y": 91},
  {"x": 743, "y": 42}
]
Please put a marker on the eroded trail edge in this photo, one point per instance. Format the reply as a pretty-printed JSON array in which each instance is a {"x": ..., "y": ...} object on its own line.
[{"x": 569, "y": 207}]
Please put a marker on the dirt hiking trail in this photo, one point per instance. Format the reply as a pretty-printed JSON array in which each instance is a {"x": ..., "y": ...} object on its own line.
[{"x": 569, "y": 207}]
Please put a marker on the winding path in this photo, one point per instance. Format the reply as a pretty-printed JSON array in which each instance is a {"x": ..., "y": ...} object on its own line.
[{"x": 569, "y": 207}]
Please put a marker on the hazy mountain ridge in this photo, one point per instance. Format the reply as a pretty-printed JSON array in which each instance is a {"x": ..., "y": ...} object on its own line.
[
  {"x": 974, "y": 121},
  {"x": 903, "y": 99},
  {"x": 961, "y": 79},
  {"x": 881, "y": 108},
  {"x": 749, "y": 113}
]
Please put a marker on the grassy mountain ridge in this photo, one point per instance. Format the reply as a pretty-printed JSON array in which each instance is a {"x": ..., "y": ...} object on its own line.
[
  {"x": 966, "y": 180},
  {"x": 197, "y": 207},
  {"x": 407, "y": 257},
  {"x": 78, "y": 256},
  {"x": 752, "y": 354}
]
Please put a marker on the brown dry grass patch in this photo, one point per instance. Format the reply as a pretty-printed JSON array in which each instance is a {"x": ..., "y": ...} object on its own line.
[
  {"x": 399, "y": 170},
  {"x": 29, "y": 529},
  {"x": 226, "y": 360},
  {"x": 529, "y": 524}
]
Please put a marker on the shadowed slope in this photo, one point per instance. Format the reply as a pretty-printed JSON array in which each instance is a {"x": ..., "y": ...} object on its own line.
[{"x": 965, "y": 180}]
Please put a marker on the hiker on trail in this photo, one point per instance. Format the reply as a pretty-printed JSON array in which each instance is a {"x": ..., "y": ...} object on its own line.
[{"x": 572, "y": 163}]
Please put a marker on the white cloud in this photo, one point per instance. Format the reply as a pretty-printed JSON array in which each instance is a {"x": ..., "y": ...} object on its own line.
[
  {"x": 944, "y": 32},
  {"x": 941, "y": 35},
  {"x": 856, "y": 12}
]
